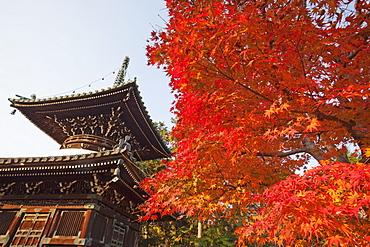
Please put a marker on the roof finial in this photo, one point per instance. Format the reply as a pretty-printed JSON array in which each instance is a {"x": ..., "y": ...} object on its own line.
[{"x": 122, "y": 72}]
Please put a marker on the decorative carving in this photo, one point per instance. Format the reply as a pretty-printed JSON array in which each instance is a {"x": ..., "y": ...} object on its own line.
[
  {"x": 95, "y": 186},
  {"x": 118, "y": 198},
  {"x": 105, "y": 125},
  {"x": 125, "y": 147},
  {"x": 117, "y": 172},
  {"x": 109, "y": 126},
  {"x": 106, "y": 191},
  {"x": 66, "y": 187},
  {"x": 6, "y": 188},
  {"x": 32, "y": 188}
]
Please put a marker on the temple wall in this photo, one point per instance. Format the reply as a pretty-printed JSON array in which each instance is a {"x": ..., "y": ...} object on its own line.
[{"x": 57, "y": 226}]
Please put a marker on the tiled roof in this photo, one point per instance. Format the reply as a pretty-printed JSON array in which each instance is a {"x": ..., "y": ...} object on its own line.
[
  {"x": 74, "y": 166},
  {"x": 71, "y": 97},
  {"x": 56, "y": 159},
  {"x": 121, "y": 104}
]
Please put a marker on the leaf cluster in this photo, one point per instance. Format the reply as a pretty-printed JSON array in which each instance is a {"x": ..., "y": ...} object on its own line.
[
  {"x": 261, "y": 88},
  {"x": 327, "y": 206}
]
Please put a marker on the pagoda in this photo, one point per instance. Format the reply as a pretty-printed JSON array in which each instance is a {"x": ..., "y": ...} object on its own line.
[{"x": 87, "y": 193}]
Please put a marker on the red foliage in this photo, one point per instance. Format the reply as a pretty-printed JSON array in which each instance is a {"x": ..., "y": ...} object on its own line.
[
  {"x": 329, "y": 205},
  {"x": 261, "y": 87}
]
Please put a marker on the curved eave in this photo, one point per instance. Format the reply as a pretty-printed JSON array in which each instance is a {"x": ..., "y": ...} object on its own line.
[
  {"x": 76, "y": 163},
  {"x": 125, "y": 96},
  {"x": 35, "y": 110},
  {"x": 157, "y": 142},
  {"x": 54, "y": 160},
  {"x": 71, "y": 97},
  {"x": 81, "y": 165}
]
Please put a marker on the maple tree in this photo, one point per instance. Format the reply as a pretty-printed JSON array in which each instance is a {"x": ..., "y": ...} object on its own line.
[
  {"x": 261, "y": 88},
  {"x": 329, "y": 205},
  {"x": 183, "y": 232}
]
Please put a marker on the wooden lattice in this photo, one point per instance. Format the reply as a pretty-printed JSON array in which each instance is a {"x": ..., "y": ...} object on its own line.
[{"x": 30, "y": 230}]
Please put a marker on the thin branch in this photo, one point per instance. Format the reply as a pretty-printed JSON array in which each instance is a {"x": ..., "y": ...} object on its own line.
[
  {"x": 284, "y": 154},
  {"x": 357, "y": 135},
  {"x": 309, "y": 148},
  {"x": 254, "y": 92}
]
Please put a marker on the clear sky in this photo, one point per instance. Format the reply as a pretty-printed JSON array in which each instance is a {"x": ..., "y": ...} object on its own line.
[{"x": 50, "y": 47}]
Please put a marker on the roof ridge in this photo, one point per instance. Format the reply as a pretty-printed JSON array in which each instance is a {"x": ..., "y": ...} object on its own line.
[
  {"x": 71, "y": 96},
  {"x": 55, "y": 158}
]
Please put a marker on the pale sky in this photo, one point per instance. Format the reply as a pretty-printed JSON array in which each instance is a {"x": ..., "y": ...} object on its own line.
[{"x": 52, "y": 47}]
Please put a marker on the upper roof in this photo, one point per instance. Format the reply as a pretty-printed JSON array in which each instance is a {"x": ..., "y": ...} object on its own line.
[{"x": 110, "y": 113}]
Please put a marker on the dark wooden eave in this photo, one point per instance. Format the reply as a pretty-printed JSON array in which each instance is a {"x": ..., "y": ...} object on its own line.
[
  {"x": 122, "y": 103},
  {"x": 77, "y": 166}
]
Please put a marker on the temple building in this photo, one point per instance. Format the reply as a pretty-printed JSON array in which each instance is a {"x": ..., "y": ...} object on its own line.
[{"x": 86, "y": 193}]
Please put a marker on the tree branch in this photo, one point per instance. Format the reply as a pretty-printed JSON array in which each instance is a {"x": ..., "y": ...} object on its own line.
[
  {"x": 309, "y": 147},
  {"x": 357, "y": 135},
  {"x": 283, "y": 154}
]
